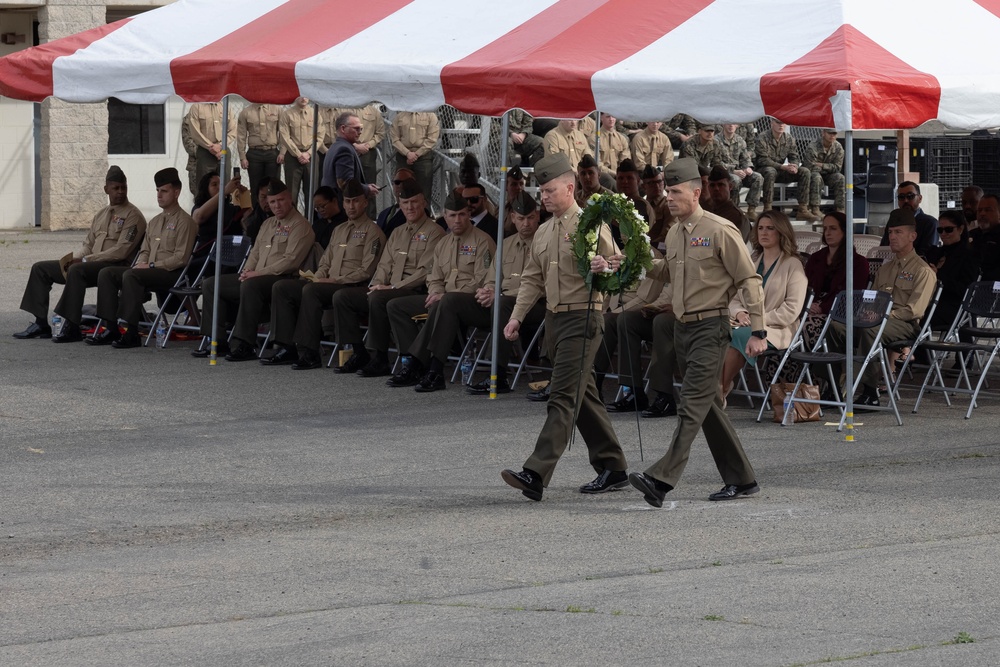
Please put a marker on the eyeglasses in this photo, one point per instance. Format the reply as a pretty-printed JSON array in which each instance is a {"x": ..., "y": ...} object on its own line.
[
  {"x": 947, "y": 230},
  {"x": 907, "y": 196},
  {"x": 473, "y": 200},
  {"x": 356, "y": 127}
]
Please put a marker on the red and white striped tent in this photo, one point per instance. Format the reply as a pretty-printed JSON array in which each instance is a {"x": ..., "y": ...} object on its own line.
[
  {"x": 850, "y": 64},
  {"x": 854, "y": 64}
]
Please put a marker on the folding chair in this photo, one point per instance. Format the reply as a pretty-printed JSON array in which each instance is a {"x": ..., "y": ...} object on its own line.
[
  {"x": 915, "y": 343},
  {"x": 525, "y": 353},
  {"x": 183, "y": 293},
  {"x": 982, "y": 300},
  {"x": 234, "y": 253},
  {"x": 865, "y": 242},
  {"x": 871, "y": 310},
  {"x": 797, "y": 342}
]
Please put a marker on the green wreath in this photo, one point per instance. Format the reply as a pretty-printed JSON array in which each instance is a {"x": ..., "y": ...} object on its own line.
[{"x": 602, "y": 209}]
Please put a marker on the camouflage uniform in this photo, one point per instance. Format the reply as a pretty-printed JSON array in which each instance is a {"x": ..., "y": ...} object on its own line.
[
  {"x": 707, "y": 155},
  {"x": 741, "y": 158},
  {"x": 771, "y": 155},
  {"x": 748, "y": 133},
  {"x": 531, "y": 149},
  {"x": 679, "y": 124},
  {"x": 825, "y": 165}
]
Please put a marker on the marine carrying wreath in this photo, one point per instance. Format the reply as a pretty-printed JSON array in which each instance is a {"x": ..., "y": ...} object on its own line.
[{"x": 603, "y": 209}]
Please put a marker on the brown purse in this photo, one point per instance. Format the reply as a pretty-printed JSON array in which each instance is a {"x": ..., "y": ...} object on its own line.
[{"x": 804, "y": 412}]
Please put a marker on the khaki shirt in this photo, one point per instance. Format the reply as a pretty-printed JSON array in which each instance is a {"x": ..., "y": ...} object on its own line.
[
  {"x": 911, "y": 282},
  {"x": 416, "y": 132},
  {"x": 257, "y": 127},
  {"x": 115, "y": 233},
  {"x": 651, "y": 148},
  {"x": 169, "y": 240},
  {"x": 461, "y": 263},
  {"x": 295, "y": 129},
  {"x": 373, "y": 125},
  {"x": 823, "y": 160},
  {"x": 204, "y": 121},
  {"x": 573, "y": 144},
  {"x": 708, "y": 154},
  {"x": 281, "y": 245},
  {"x": 706, "y": 262},
  {"x": 353, "y": 252},
  {"x": 664, "y": 218},
  {"x": 614, "y": 149},
  {"x": 516, "y": 253},
  {"x": 552, "y": 273},
  {"x": 771, "y": 152},
  {"x": 408, "y": 253},
  {"x": 582, "y": 195}
]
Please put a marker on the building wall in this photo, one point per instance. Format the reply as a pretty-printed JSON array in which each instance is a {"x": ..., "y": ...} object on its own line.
[{"x": 17, "y": 150}]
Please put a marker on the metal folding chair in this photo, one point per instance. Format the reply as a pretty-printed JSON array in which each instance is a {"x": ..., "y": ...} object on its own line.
[
  {"x": 914, "y": 343},
  {"x": 234, "y": 252},
  {"x": 797, "y": 343},
  {"x": 184, "y": 294}
]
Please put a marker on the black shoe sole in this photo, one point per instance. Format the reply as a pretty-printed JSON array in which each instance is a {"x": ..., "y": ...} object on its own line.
[
  {"x": 605, "y": 489},
  {"x": 420, "y": 389},
  {"x": 527, "y": 491},
  {"x": 306, "y": 367},
  {"x": 645, "y": 486},
  {"x": 67, "y": 339},
  {"x": 646, "y": 414},
  {"x": 740, "y": 494}
]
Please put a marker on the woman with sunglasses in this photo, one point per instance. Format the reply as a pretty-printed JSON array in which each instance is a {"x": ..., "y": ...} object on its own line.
[
  {"x": 956, "y": 264},
  {"x": 826, "y": 271},
  {"x": 779, "y": 266}
]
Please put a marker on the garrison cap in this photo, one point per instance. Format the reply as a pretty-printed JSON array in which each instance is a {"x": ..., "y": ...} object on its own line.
[
  {"x": 409, "y": 188},
  {"x": 681, "y": 170},
  {"x": 276, "y": 187},
  {"x": 718, "y": 173},
  {"x": 116, "y": 175},
  {"x": 650, "y": 172},
  {"x": 353, "y": 188},
  {"x": 523, "y": 204},
  {"x": 901, "y": 217},
  {"x": 627, "y": 165},
  {"x": 167, "y": 176},
  {"x": 551, "y": 166},
  {"x": 516, "y": 174},
  {"x": 588, "y": 162},
  {"x": 456, "y": 202}
]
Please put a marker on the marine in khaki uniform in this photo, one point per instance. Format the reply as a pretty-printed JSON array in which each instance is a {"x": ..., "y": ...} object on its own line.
[
  {"x": 573, "y": 333},
  {"x": 911, "y": 282},
  {"x": 165, "y": 251},
  {"x": 401, "y": 272},
  {"x": 516, "y": 254},
  {"x": 627, "y": 180},
  {"x": 297, "y": 304},
  {"x": 777, "y": 159},
  {"x": 204, "y": 123},
  {"x": 614, "y": 145},
  {"x": 281, "y": 246},
  {"x": 706, "y": 262},
  {"x": 652, "y": 186},
  {"x": 566, "y": 139},
  {"x": 651, "y": 147},
  {"x": 589, "y": 175},
  {"x": 257, "y": 138},
  {"x": 295, "y": 135},
  {"x": 825, "y": 159},
  {"x": 741, "y": 168},
  {"x": 462, "y": 262},
  {"x": 114, "y": 237},
  {"x": 414, "y": 136}
]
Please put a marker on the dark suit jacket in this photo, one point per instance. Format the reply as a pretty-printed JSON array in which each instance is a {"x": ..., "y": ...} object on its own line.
[{"x": 342, "y": 163}]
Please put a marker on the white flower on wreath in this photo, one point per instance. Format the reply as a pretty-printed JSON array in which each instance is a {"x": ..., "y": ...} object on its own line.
[
  {"x": 593, "y": 200},
  {"x": 642, "y": 275}
]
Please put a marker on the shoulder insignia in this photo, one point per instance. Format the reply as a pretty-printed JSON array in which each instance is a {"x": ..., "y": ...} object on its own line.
[
  {"x": 487, "y": 258},
  {"x": 130, "y": 234},
  {"x": 376, "y": 244}
]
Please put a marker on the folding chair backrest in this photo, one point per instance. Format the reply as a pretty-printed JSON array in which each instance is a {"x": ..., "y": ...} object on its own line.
[
  {"x": 870, "y": 307},
  {"x": 234, "y": 250},
  {"x": 813, "y": 247},
  {"x": 982, "y": 299},
  {"x": 865, "y": 242},
  {"x": 804, "y": 239},
  {"x": 882, "y": 252}
]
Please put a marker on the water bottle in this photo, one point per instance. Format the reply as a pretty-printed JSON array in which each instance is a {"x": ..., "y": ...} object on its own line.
[
  {"x": 468, "y": 364},
  {"x": 161, "y": 334},
  {"x": 56, "y": 323},
  {"x": 787, "y": 403}
]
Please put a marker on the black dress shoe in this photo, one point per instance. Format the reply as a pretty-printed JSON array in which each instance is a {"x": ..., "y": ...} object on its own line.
[
  {"x": 539, "y": 395},
  {"x": 481, "y": 388},
  {"x": 630, "y": 402},
  {"x": 608, "y": 480},
  {"x": 354, "y": 364},
  {"x": 105, "y": 337},
  {"x": 407, "y": 377},
  {"x": 431, "y": 381},
  {"x": 527, "y": 481},
  {"x": 734, "y": 491},
  {"x": 653, "y": 490},
  {"x": 242, "y": 352},
  {"x": 222, "y": 349},
  {"x": 34, "y": 330},
  {"x": 375, "y": 368},
  {"x": 128, "y": 340},
  {"x": 70, "y": 334},
  {"x": 308, "y": 360},
  {"x": 868, "y": 398},
  {"x": 283, "y": 357},
  {"x": 662, "y": 406}
]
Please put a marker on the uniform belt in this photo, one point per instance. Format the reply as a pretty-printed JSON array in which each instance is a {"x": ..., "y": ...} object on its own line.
[
  {"x": 263, "y": 148},
  {"x": 570, "y": 307},
  {"x": 687, "y": 318}
]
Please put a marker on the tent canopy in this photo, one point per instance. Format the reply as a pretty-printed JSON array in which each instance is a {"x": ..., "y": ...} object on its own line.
[{"x": 852, "y": 64}]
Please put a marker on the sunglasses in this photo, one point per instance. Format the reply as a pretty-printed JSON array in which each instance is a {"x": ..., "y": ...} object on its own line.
[
  {"x": 907, "y": 196},
  {"x": 947, "y": 230},
  {"x": 472, "y": 200}
]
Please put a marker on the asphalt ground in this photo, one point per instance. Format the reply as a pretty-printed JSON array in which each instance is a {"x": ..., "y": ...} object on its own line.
[{"x": 155, "y": 510}]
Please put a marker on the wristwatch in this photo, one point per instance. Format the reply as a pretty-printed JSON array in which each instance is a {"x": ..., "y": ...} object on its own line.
[
  {"x": 152, "y": 265},
  {"x": 762, "y": 334}
]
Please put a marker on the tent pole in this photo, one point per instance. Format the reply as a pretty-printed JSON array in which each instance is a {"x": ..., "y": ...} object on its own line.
[
  {"x": 498, "y": 258},
  {"x": 312, "y": 164},
  {"x": 849, "y": 259},
  {"x": 223, "y": 167},
  {"x": 597, "y": 143}
]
